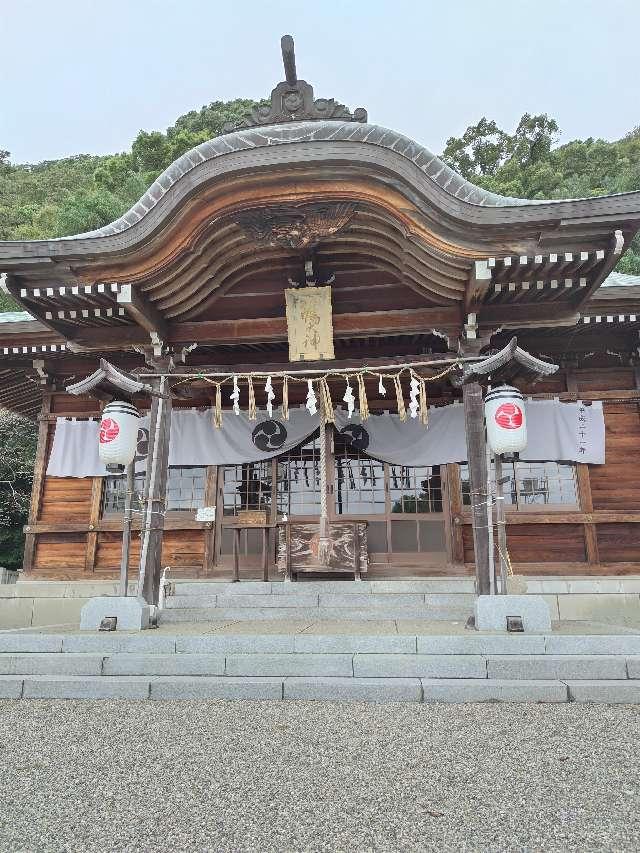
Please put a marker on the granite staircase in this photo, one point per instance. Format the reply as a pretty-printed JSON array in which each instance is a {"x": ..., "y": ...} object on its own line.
[
  {"x": 454, "y": 666},
  {"x": 312, "y": 601}
]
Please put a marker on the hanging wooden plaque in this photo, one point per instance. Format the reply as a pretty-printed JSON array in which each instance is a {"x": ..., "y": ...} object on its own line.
[{"x": 309, "y": 323}]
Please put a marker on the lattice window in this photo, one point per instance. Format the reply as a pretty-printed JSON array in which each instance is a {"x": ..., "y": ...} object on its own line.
[
  {"x": 298, "y": 474},
  {"x": 415, "y": 489},
  {"x": 532, "y": 484},
  {"x": 185, "y": 490},
  {"x": 359, "y": 481},
  {"x": 247, "y": 486}
]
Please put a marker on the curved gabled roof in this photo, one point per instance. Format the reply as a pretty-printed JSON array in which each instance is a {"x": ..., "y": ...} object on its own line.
[{"x": 312, "y": 131}]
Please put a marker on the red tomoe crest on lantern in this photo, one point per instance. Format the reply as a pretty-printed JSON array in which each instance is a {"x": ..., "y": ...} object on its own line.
[
  {"x": 109, "y": 429},
  {"x": 508, "y": 416}
]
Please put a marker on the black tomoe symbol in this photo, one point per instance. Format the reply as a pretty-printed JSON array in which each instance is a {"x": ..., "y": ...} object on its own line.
[
  {"x": 269, "y": 435},
  {"x": 356, "y": 435}
]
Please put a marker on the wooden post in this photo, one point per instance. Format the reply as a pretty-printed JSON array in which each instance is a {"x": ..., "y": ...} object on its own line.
[
  {"x": 38, "y": 482},
  {"x": 155, "y": 489},
  {"x": 476, "y": 457},
  {"x": 94, "y": 519},
  {"x": 126, "y": 529},
  {"x": 501, "y": 524}
]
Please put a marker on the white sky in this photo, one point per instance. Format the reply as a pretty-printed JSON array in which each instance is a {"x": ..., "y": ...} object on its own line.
[{"x": 82, "y": 76}]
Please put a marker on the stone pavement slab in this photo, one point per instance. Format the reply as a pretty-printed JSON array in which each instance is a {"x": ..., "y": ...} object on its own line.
[
  {"x": 556, "y": 667},
  {"x": 174, "y": 664},
  {"x": 354, "y": 689},
  {"x": 50, "y": 664},
  {"x": 419, "y": 666},
  {"x": 97, "y": 687},
  {"x": 612, "y": 692},
  {"x": 444, "y": 690},
  {"x": 287, "y": 664},
  {"x": 216, "y": 688}
]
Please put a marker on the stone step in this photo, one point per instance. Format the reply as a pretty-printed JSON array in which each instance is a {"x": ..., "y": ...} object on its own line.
[
  {"x": 314, "y": 614},
  {"x": 426, "y": 690},
  {"x": 238, "y": 659},
  {"x": 427, "y": 585},
  {"x": 313, "y": 599},
  {"x": 332, "y": 640}
]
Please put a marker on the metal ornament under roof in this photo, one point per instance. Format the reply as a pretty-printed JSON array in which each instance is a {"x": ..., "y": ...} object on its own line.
[{"x": 293, "y": 100}]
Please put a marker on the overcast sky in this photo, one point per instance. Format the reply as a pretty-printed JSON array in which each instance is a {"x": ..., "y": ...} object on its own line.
[{"x": 81, "y": 76}]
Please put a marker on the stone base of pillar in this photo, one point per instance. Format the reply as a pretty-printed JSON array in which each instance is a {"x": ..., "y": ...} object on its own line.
[
  {"x": 492, "y": 611},
  {"x": 132, "y": 614}
]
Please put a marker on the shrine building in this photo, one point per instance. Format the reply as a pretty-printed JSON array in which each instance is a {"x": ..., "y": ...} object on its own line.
[{"x": 303, "y": 311}]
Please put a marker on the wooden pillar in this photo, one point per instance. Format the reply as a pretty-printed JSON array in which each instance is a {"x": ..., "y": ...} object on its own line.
[
  {"x": 155, "y": 488},
  {"x": 210, "y": 492},
  {"x": 38, "y": 481},
  {"x": 476, "y": 457},
  {"x": 94, "y": 519},
  {"x": 586, "y": 505}
]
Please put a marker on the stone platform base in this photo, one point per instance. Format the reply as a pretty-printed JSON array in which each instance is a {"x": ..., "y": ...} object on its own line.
[{"x": 132, "y": 614}]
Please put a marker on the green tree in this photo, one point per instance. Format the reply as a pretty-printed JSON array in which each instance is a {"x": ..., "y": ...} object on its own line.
[{"x": 18, "y": 440}]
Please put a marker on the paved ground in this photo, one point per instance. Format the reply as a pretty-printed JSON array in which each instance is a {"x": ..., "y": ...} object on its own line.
[{"x": 258, "y": 776}]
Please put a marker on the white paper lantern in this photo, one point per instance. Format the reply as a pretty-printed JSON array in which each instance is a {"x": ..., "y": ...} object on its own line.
[
  {"x": 506, "y": 420},
  {"x": 118, "y": 433}
]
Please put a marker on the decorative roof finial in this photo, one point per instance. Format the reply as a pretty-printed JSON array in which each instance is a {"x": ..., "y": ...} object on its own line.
[
  {"x": 289, "y": 59},
  {"x": 292, "y": 100}
]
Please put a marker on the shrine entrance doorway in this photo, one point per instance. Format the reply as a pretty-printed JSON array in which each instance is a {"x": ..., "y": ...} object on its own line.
[{"x": 405, "y": 507}]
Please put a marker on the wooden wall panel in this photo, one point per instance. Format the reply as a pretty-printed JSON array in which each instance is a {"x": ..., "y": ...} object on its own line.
[
  {"x": 616, "y": 485},
  {"x": 542, "y": 543},
  {"x": 619, "y": 543},
  {"x": 59, "y": 551},
  {"x": 63, "y": 404},
  {"x": 183, "y": 548},
  {"x": 606, "y": 379},
  {"x": 66, "y": 499},
  {"x": 109, "y": 550}
]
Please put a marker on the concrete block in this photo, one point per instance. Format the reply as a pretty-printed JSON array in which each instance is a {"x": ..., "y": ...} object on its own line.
[
  {"x": 552, "y": 602},
  {"x": 198, "y": 588},
  {"x": 39, "y": 589},
  {"x": 419, "y": 666},
  {"x": 215, "y": 688},
  {"x": 57, "y": 611},
  {"x": 474, "y": 643},
  {"x": 353, "y": 689},
  {"x": 128, "y": 664},
  {"x": 112, "y": 643},
  {"x": 308, "y": 599},
  {"x": 428, "y": 585},
  {"x": 10, "y": 688},
  {"x": 235, "y": 644},
  {"x": 456, "y": 690},
  {"x": 458, "y": 600},
  {"x": 296, "y": 664},
  {"x": 87, "y": 687},
  {"x": 492, "y": 612},
  {"x": 396, "y": 600},
  {"x": 23, "y": 642},
  {"x": 633, "y": 667},
  {"x": 50, "y": 664},
  {"x": 559, "y": 667},
  {"x": 616, "y": 609},
  {"x": 185, "y": 602},
  {"x": 324, "y": 587},
  {"x": 133, "y": 614},
  {"x": 348, "y": 643},
  {"x": 16, "y": 612},
  {"x": 595, "y": 644},
  {"x": 610, "y": 692}
]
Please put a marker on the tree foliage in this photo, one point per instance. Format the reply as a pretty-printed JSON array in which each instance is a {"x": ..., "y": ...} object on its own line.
[
  {"x": 529, "y": 164},
  {"x": 18, "y": 440}
]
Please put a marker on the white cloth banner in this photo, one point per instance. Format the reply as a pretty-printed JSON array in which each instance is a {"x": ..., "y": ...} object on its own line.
[{"x": 571, "y": 432}]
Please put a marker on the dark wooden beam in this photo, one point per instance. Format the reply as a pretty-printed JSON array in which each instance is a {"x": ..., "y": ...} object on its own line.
[
  {"x": 265, "y": 329},
  {"x": 59, "y": 327},
  {"x": 616, "y": 247},
  {"x": 142, "y": 311},
  {"x": 477, "y": 286},
  {"x": 521, "y": 316}
]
